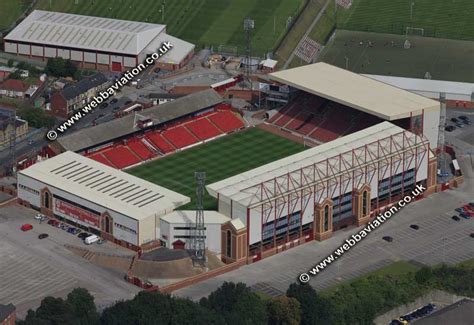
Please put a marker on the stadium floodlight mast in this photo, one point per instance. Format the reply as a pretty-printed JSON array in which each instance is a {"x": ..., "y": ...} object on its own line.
[
  {"x": 249, "y": 25},
  {"x": 411, "y": 9},
  {"x": 198, "y": 238}
]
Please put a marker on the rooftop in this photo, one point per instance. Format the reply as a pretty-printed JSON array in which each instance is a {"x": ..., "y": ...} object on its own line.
[
  {"x": 242, "y": 188},
  {"x": 85, "y": 32},
  {"x": 356, "y": 91},
  {"x": 106, "y": 186},
  {"x": 14, "y": 84},
  {"x": 189, "y": 217},
  {"x": 71, "y": 91},
  {"x": 6, "y": 310},
  {"x": 105, "y": 132}
]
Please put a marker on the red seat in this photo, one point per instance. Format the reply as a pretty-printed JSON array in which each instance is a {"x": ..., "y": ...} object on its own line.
[
  {"x": 226, "y": 121},
  {"x": 100, "y": 158},
  {"x": 158, "y": 140},
  {"x": 179, "y": 137},
  {"x": 141, "y": 150},
  {"x": 203, "y": 129},
  {"x": 121, "y": 157}
]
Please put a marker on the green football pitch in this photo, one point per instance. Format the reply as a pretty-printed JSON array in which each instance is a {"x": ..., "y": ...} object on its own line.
[
  {"x": 442, "y": 59},
  {"x": 222, "y": 158},
  {"x": 452, "y": 19},
  {"x": 202, "y": 22}
]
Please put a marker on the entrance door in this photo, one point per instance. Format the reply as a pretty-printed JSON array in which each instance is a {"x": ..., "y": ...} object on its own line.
[{"x": 116, "y": 66}]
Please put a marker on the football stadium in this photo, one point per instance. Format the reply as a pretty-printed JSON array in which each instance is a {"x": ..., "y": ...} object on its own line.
[{"x": 369, "y": 145}]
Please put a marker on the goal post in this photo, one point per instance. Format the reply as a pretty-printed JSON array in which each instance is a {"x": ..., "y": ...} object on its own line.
[{"x": 414, "y": 31}]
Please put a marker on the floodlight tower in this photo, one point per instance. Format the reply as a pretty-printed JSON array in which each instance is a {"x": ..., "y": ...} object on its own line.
[
  {"x": 12, "y": 143},
  {"x": 441, "y": 139},
  {"x": 198, "y": 238},
  {"x": 248, "y": 27}
]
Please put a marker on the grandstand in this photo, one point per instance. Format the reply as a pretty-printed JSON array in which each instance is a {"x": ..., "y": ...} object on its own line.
[
  {"x": 328, "y": 102},
  {"x": 180, "y": 135}
]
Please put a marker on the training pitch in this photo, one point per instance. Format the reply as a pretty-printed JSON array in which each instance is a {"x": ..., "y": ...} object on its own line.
[
  {"x": 450, "y": 19},
  {"x": 202, "y": 22},
  {"x": 221, "y": 158},
  {"x": 443, "y": 59}
]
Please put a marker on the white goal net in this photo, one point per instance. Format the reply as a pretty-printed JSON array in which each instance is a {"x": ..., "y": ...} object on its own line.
[{"x": 415, "y": 31}]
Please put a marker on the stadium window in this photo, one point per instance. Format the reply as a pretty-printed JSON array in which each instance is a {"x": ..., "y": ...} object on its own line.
[
  {"x": 229, "y": 244},
  {"x": 46, "y": 200},
  {"x": 326, "y": 217},
  {"x": 364, "y": 203}
]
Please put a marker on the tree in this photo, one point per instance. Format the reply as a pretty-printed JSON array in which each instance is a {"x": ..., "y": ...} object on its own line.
[
  {"x": 314, "y": 309},
  {"x": 55, "y": 311},
  {"x": 36, "y": 117},
  {"x": 10, "y": 63},
  {"x": 83, "y": 307},
  {"x": 237, "y": 304},
  {"x": 58, "y": 67},
  {"x": 284, "y": 311}
]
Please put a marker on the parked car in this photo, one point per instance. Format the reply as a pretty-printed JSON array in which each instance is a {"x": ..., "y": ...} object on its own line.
[
  {"x": 416, "y": 227},
  {"x": 464, "y": 118},
  {"x": 104, "y": 105},
  {"x": 63, "y": 226},
  {"x": 459, "y": 210},
  {"x": 465, "y": 216},
  {"x": 101, "y": 241},
  {"x": 113, "y": 101},
  {"x": 128, "y": 102},
  {"x": 387, "y": 239},
  {"x": 455, "y": 120},
  {"x": 71, "y": 230},
  {"x": 471, "y": 204},
  {"x": 472, "y": 235},
  {"x": 450, "y": 128},
  {"x": 460, "y": 125},
  {"x": 26, "y": 227},
  {"x": 455, "y": 218},
  {"x": 39, "y": 216},
  {"x": 91, "y": 239},
  {"x": 83, "y": 235},
  {"x": 43, "y": 236}
]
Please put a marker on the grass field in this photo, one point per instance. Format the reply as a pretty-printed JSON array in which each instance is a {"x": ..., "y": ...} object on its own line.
[
  {"x": 10, "y": 10},
  {"x": 443, "y": 59},
  {"x": 440, "y": 18},
  {"x": 220, "y": 159},
  {"x": 203, "y": 22},
  {"x": 297, "y": 31}
]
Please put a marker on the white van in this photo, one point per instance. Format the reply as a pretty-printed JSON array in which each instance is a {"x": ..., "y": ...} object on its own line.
[{"x": 91, "y": 239}]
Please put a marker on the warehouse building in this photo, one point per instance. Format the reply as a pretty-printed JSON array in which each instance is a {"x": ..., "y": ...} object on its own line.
[
  {"x": 94, "y": 42},
  {"x": 103, "y": 200},
  {"x": 310, "y": 194}
]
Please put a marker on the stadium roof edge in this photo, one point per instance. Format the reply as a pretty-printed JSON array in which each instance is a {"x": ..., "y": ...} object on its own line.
[
  {"x": 356, "y": 91},
  {"x": 106, "y": 132}
]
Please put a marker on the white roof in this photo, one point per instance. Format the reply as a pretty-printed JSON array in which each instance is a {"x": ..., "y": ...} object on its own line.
[
  {"x": 428, "y": 85},
  {"x": 85, "y": 32},
  {"x": 189, "y": 217},
  {"x": 174, "y": 56},
  {"x": 105, "y": 186},
  {"x": 238, "y": 188},
  {"x": 356, "y": 91},
  {"x": 237, "y": 223},
  {"x": 269, "y": 63}
]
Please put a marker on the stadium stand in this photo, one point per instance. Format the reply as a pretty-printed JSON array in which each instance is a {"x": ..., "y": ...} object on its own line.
[
  {"x": 180, "y": 137},
  {"x": 161, "y": 143},
  {"x": 203, "y": 129},
  {"x": 121, "y": 157},
  {"x": 99, "y": 157},
  {"x": 226, "y": 121},
  {"x": 140, "y": 149}
]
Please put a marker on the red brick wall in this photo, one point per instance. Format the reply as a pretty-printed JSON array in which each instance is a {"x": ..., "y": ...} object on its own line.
[{"x": 58, "y": 105}]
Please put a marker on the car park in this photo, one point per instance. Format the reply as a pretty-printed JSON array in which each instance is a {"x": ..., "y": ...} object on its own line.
[
  {"x": 455, "y": 218},
  {"x": 26, "y": 227},
  {"x": 387, "y": 239},
  {"x": 43, "y": 236},
  {"x": 416, "y": 227}
]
